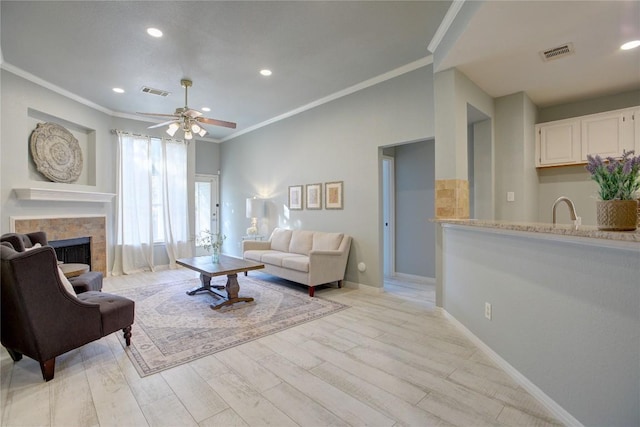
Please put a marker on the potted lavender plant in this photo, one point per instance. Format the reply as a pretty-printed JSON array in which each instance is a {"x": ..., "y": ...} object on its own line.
[{"x": 618, "y": 181}]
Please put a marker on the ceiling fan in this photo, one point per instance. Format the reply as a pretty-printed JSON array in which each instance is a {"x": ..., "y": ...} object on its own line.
[{"x": 187, "y": 119}]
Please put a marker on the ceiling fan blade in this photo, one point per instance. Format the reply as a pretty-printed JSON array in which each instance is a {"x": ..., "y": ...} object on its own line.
[
  {"x": 158, "y": 115},
  {"x": 163, "y": 124},
  {"x": 216, "y": 122},
  {"x": 192, "y": 113}
]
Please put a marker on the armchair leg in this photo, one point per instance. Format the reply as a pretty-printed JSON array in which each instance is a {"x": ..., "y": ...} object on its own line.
[
  {"x": 127, "y": 335},
  {"x": 339, "y": 284},
  {"x": 15, "y": 355},
  {"x": 48, "y": 367},
  {"x": 311, "y": 290}
]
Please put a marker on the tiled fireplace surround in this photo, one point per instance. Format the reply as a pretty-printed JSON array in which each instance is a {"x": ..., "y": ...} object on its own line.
[{"x": 59, "y": 228}]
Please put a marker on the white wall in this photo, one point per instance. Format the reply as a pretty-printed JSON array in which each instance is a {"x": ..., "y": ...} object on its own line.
[{"x": 337, "y": 141}]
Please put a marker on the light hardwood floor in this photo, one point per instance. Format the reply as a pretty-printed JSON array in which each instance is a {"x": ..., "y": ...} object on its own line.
[{"x": 390, "y": 359}]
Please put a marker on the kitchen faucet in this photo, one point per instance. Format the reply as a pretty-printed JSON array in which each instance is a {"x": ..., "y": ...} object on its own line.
[{"x": 572, "y": 210}]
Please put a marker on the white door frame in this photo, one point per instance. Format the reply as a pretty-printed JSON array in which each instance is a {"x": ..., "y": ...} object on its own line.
[
  {"x": 388, "y": 216},
  {"x": 214, "y": 225}
]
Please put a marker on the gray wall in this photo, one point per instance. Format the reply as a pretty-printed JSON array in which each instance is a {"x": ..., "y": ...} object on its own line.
[
  {"x": 20, "y": 98},
  {"x": 20, "y": 95},
  {"x": 589, "y": 106},
  {"x": 565, "y": 315},
  {"x": 337, "y": 141},
  {"x": 514, "y": 158},
  {"x": 414, "y": 189}
]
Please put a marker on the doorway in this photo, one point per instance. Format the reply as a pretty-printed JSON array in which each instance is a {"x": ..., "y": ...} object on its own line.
[{"x": 207, "y": 207}]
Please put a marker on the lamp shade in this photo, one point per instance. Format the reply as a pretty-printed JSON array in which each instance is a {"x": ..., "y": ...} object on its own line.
[{"x": 255, "y": 208}]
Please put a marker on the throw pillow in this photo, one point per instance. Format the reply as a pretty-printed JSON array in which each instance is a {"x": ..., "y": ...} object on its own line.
[{"x": 67, "y": 284}]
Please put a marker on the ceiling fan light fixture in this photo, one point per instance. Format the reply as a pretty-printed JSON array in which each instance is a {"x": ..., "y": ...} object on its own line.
[
  {"x": 202, "y": 132},
  {"x": 630, "y": 45},
  {"x": 173, "y": 128},
  {"x": 188, "y": 135},
  {"x": 154, "y": 32},
  {"x": 195, "y": 128}
]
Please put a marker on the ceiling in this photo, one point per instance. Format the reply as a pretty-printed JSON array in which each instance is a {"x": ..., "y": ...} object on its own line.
[
  {"x": 499, "y": 49},
  {"x": 315, "y": 50}
]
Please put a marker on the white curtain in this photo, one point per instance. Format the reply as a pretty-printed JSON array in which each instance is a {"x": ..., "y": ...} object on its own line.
[{"x": 150, "y": 171}]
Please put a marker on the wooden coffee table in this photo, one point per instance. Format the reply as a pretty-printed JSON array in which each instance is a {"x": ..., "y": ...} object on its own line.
[{"x": 228, "y": 265}]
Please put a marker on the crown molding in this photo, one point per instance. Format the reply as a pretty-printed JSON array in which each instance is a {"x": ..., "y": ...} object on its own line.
[
  {"x": 422, "y": 62},
  {"x": 448, "y": 19},
  {"x": 57, "y": 89}
]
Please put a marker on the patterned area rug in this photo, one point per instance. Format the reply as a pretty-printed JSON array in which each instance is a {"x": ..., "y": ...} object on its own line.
[{"x": 172, "y": 328}]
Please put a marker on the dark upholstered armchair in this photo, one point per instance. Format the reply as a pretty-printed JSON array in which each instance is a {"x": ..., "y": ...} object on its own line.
[
  {"x": 41, "y": 319},
  {"x": 90, "y": 281}
]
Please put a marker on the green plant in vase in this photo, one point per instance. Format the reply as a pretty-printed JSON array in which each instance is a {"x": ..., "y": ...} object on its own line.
[{"x": 211, "y": 242}]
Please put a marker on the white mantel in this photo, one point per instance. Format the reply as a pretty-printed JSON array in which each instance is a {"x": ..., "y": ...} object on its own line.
[{"x": 62, "y": 195}]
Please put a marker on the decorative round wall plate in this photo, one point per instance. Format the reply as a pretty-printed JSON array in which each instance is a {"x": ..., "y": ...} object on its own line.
[{"x": 56, "y": 152}]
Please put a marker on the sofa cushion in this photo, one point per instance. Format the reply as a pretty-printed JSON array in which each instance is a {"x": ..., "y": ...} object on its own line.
[
  {"x": 255, "y": 255},
  {"x": 326, "y": 241},
  {"x": 296, "y": 262},
  {"x": 301, "y": 242},
  {"x": 275, "y": 257},
  {"x": 280, "y": 239}
]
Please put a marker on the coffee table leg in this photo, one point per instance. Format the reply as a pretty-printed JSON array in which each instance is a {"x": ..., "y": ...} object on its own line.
[
  {"x": 206, "y": 286},
  {"x": 233, "y": 287}
]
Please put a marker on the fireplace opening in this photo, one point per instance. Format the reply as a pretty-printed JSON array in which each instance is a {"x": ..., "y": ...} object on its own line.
[{"x": 76, "y": 250}]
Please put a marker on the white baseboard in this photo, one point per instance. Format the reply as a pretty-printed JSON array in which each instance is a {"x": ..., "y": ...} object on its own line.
[
  {"x": 414, "y": 278},
  {"x": 556, "y": 410},
  {"x": 361, "y": 287}
]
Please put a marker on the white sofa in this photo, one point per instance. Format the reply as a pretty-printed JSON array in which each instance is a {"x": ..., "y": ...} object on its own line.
[{"x": 308, "y": 257}]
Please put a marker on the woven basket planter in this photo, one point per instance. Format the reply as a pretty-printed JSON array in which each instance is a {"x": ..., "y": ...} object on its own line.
[{"x": 617, "y": 215}]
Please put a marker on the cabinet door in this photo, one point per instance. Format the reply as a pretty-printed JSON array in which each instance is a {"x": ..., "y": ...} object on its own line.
[
  {"x": 607, "y": 134},
  {"x": 559, "y": 143}
]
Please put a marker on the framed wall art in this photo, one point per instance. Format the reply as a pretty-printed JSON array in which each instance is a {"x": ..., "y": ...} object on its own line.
[
  {"x": 295, "y": 197},
  {"x": 314, "y": 196},
  {"x": 333, "y": 195}
]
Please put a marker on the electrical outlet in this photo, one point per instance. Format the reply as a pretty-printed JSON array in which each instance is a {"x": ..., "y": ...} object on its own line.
[
  {"x": 487, "y": 310},
  {"x": 511, "y": 196}
]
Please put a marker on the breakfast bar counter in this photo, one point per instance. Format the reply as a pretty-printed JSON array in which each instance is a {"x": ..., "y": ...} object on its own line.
[{"x": 558, "y": 307}]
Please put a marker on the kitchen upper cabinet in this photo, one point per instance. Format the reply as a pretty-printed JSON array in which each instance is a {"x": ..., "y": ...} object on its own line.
[
  {"x": 569, "y": 141},
  {"x": 608, "y": 134},
  {"x": 558, "y": 143}
]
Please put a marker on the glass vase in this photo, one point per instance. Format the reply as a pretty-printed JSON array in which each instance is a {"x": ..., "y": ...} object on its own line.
[{"x": 215, "y": 256}]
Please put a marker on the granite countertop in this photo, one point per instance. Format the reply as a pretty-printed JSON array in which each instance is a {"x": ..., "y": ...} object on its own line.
[{"x": 588, "y": 231}]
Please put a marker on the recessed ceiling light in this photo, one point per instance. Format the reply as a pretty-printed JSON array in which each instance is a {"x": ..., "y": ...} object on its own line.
[
  {"x": 118, "y": 90},
  {"x": 630, "y": 45},
  {"x": 265, "y": 72},
  {"x": 206, "y": 109},
  {"x": 154, "y": 32}
]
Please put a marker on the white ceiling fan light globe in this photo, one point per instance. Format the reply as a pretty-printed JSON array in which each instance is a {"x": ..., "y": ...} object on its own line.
[
  {"x": 195, "y": 128},
  {"x": 202, "y": 132},
  {"x": 188, "y": 135},
  {"x": 173, "y": 127}
]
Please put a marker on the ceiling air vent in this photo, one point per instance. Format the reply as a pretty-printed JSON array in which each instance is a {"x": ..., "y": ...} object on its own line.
[
  {"x": 557, "y": 52},
  {"x": 153, "y": 91}
]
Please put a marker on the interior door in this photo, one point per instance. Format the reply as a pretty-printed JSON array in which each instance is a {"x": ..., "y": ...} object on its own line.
[
  {"x": 207, "y": 207},
  {"x": 388, "y": 208}
]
